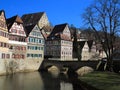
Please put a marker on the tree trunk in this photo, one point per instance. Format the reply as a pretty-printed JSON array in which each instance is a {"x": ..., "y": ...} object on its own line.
[
  {"x": 79, "y": 52},
  {"x": 109, "y": 65}
]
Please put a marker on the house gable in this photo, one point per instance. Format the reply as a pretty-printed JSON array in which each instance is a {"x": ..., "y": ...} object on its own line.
[
  {"x": 60, "y": 31},
  {"x": 15, "y": 26},
  {"x": 35, "y": 32},
  {"x": 66, "y": 31},
  {"x": 3, "y": 25},
  {"x": 17, "y": 29},
  {"x": 43, "y": 21}
]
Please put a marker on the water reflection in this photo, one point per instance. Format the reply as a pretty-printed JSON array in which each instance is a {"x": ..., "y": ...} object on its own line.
[
  {"x": 66, "y": 86},
  {"x": 22, "y": 81},
  {"x": 37, "y": 81}
]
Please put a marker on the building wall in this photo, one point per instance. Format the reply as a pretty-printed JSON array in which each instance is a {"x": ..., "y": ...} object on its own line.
[
  {"x": 90, "y": 54},
  {"x": 66, "y": 50},
  {"x": 4, "y": 54},
  {"x": 53, "y": 48},
  {"x": 3, "y": 25},
  {"x": 67, "y": 32},
  {"x": 43, "y": 21},
  {"x": 17, "y": 29},
  {"x": 17, "y": 41},
  {"x": 35, "y": 46},
  {"x": 59, "y": 49},
  {"x": 66, "y": 45}
]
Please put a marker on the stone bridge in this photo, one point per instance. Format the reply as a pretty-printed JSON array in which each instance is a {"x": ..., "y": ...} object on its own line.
[{"x": 74, "y": 65}]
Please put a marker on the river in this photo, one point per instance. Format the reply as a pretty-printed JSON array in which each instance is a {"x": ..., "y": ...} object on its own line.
[{"x": 38, "y": 81}]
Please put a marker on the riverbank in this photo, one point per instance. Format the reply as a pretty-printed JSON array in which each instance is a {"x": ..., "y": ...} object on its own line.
[{"x": 102, "y": 80}]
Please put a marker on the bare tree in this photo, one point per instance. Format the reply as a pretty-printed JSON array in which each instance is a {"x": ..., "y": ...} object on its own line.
[
  {"x": 104, "y": 15},
  {"x": 77, "y": 49}
]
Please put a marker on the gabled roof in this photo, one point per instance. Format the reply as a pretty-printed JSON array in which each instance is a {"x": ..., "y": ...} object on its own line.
[
  {"x": 57, "y": 32},
  {"x": 58, "y": 29},
  {"x": 32, "y": 18},
  {"x": 90, "y": 43},
  {"x": 28, "y": 29},
  {"x": 48, "y": 28},
  {"x": 81, "y": 44},
  {"x": 10, "y": 21}
]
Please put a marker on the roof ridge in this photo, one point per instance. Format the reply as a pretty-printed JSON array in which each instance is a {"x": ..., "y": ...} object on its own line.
[{"x": 32, "y": 13}]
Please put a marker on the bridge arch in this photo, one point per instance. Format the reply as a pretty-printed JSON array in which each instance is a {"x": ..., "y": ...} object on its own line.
[
  {"x": 54, "y": 70},
  {"x": 84, "y": 70}
]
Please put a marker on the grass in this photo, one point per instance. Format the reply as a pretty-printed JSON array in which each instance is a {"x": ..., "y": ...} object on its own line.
[{"x": 102, "y": 80}]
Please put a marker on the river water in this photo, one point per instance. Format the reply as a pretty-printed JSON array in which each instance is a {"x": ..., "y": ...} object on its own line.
[{"x": 38, "y": 81}]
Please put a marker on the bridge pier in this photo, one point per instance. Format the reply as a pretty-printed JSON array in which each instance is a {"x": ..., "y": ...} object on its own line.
[{"x": 72, "y": 73}]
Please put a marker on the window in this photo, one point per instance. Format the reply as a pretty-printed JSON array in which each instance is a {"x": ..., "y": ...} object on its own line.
[
  {"x": 23, "y": 56},
  {"x": 8, "y": 56},
  {"x": 39, "y": 41},
  {"x": 24, "y": 48},
  {"x": 14, "y": 31},
  {"x": 28, "y": 47},
  {"x": 42, "y": 41},
  {"x": 41, "y": 48},
  {"x": 28, "y": 55},
  {"x": 13, "y": 55},
  {"x": 31, "y": 55},
  {"x": 40, "y": 55},
  {"x": 36, "y": 48},
  {"x": 3, "y": 55},
  {"x": 3, "y": 44}
]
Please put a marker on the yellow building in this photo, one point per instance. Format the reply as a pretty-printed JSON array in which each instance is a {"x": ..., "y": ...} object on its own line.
[
  {"x": 4, "y": 47},
  {"x": 4, "y": 54}
]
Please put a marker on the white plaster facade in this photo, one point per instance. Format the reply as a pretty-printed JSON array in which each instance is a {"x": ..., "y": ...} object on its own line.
[
  {"x": 59, "y": 45},
  {"x": 35, "y": 48}
]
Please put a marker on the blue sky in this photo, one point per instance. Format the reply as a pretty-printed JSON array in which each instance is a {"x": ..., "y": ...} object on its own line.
[{"x": 58, "y": 11}]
